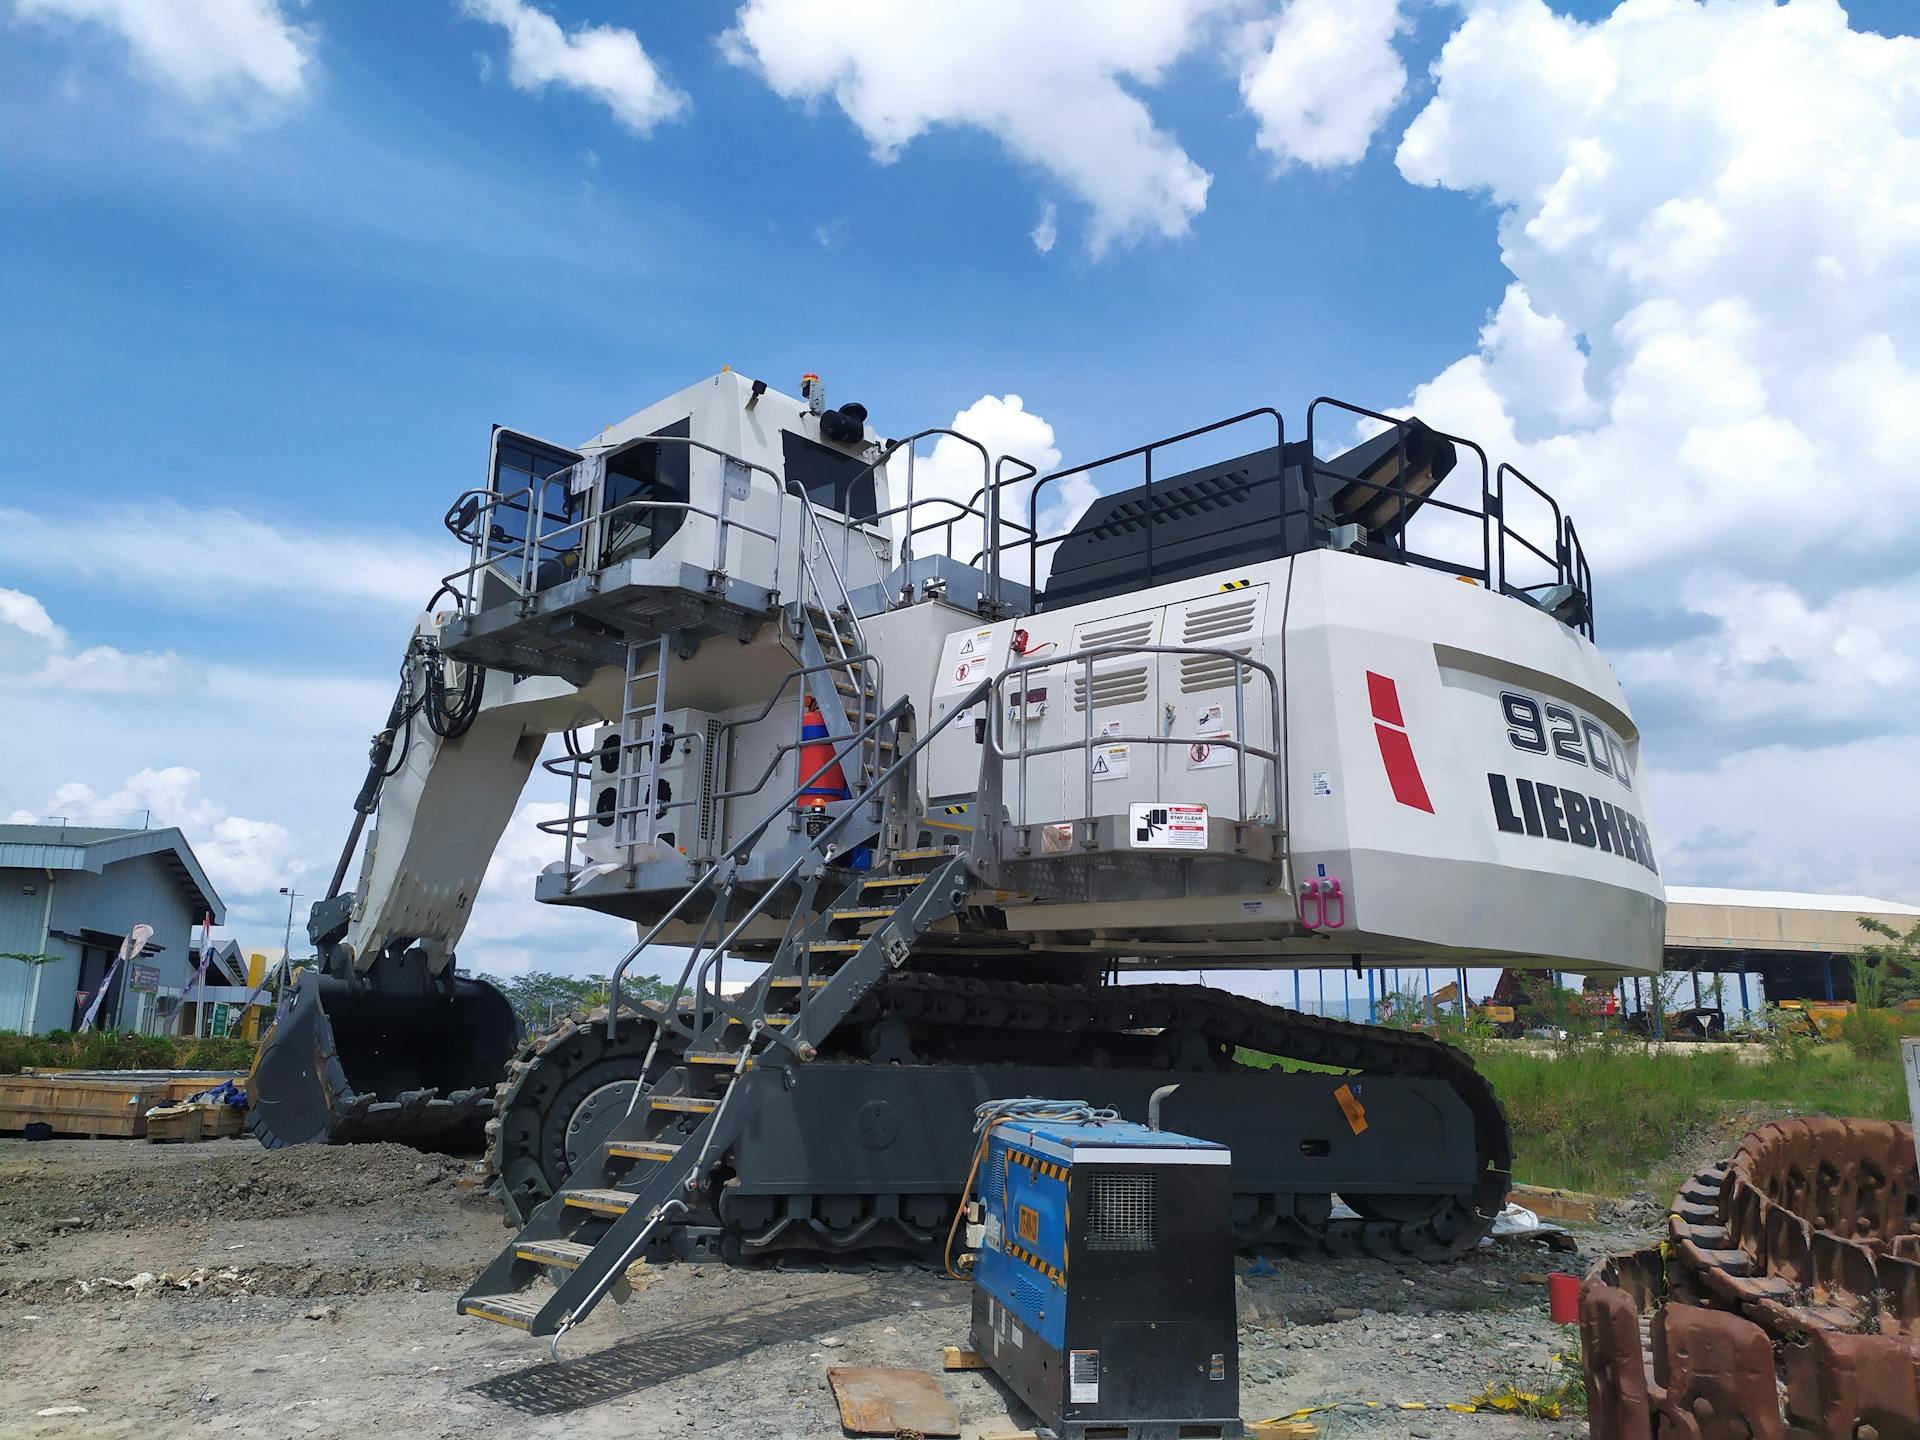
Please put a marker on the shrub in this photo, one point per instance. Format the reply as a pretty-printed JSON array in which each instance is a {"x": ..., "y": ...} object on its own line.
[
  {"x": 110, "y": 1050},
  {"x": 1871, "y": 1035}
]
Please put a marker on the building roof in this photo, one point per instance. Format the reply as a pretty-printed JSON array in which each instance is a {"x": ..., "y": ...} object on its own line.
[
  {"x": 227, "y": 959},
  {"x": 1786, "y": 900},
  {"x": 92, "y": 848},
  {"x": 1708, "y": 918}
]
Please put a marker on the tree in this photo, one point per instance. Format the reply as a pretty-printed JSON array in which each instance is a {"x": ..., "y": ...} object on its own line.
[
  {"x": 540, "y": 997},
  {"x": 1891, "y": 965}
]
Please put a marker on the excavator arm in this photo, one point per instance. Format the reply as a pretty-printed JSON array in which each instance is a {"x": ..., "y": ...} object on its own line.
[{"x": 382, "y": 1039}]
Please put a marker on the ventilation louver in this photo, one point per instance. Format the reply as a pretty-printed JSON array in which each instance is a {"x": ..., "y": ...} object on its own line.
[{"x": 1120, "y": 1211}]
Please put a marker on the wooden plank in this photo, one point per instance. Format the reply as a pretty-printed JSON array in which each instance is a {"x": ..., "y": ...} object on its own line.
[
  {"x": 959, "y": 1357},
  {"x": 78, "y": 1107},
  {"x": 175, "y": 1124},
  {"x": 876, "y": 1400},
  {"x": 1556, "y": 1204}
]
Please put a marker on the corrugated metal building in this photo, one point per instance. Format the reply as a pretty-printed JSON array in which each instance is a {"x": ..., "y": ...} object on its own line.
[
  {"x": 74, "y": 892},
  {"x": 1799, "y": 944}
]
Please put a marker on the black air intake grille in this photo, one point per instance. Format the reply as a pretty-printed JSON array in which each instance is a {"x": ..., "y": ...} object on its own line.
[{"x": 1120, "y": 1212}]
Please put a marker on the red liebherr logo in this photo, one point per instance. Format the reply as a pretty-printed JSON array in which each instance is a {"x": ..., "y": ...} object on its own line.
[{"x": 1396, "y": 750}]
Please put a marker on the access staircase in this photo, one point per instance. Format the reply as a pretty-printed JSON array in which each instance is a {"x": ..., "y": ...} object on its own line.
[{"x": 736, "y": 1051}]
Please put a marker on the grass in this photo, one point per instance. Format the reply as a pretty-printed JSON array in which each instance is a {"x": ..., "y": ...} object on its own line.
[
  {"x": 103, "y": 1050},
  {"x": 1613, "y": 1119}
]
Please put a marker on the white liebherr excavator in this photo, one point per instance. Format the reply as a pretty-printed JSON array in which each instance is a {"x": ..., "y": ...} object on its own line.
[{"x": 1269, "y": 711}]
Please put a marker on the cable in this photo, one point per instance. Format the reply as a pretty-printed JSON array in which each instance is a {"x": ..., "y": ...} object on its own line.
[{"x": 993, "y": 1113}]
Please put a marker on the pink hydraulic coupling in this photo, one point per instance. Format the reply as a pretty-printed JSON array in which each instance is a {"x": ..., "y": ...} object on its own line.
[{"x": 1323, "y": 906}]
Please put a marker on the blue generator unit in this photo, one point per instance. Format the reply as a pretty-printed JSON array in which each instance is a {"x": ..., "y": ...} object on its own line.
[{"x": 1103, "y": 1282}]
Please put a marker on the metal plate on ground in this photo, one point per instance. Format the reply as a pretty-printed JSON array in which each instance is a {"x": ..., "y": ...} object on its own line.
[{"x": 875, "y": 1400}]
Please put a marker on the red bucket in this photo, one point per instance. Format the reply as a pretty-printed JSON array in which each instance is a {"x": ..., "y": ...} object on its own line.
[{"x": 1563, "y": 1299}]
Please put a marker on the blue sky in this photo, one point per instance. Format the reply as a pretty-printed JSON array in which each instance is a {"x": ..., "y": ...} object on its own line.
[{"x": 261, "y": 308}]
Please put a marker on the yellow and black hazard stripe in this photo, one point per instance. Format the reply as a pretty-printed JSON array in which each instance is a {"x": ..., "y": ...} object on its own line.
[
  {"x": 1033, "y": 1261},
  {"x": 957, "y": 809},
  {"x": 1047, "y": 1168},
  {"x": 1235, "y": 584}
]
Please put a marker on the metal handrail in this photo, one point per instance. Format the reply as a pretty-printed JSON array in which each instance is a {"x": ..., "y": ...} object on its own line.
[
  {"x": 1086, "y": 659},
  {"x": 574, "y": 767},
  {"x": 1146, "y": 453},
  {"x": 459, "y": 520},
  {"x": 1397, "y": 486},
  {"x": 821, "y": 847}
]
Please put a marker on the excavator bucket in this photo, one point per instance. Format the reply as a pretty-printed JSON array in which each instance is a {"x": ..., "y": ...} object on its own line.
[{"x": 346, "y": 1062}]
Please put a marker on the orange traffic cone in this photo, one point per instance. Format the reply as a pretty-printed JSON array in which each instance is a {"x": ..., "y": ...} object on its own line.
[{"x": 819, "y": 770}]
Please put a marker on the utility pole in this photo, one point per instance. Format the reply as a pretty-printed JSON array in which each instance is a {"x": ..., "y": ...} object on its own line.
[{"x": 286, "y": 948}]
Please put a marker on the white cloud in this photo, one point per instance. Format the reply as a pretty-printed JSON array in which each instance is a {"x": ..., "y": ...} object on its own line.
[
  {"x": 603, "y": 61},
  {"x": 1773, "y": 658},
  {"x": 242, "y": 857},
  {"x": 38, "y": 655},
  {"x": 204, "y": 50},
  {"x": 953, "y": 470},
  {"x": 1795, "y": 817},
  {"x": 1321, "y": 77},
  {"x": 224, "y": 557},
  {"x": 1046, "y": 231},
  {"x": 1050, "y": 82},
  {"x": 1708, "y": 351}
]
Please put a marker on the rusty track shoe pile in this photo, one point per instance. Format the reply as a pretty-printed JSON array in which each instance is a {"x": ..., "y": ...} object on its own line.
[{"x": 1785, "y": 1301}]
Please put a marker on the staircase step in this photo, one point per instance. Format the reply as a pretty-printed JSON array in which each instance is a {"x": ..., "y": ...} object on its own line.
[
  {"x": 567, "y": 1254},
  {"x": 937, "y": 852},
  {"x": 846, "y": 688},
  {"x": 683, "y": 1104},
  {"x": 714, "y": 1057},
  {"x": 602, "y": 1202},
  {"x": 515, "y": 1310},
  {"x": 895, "y": 882},
  {"x": 792, "y": 982},
  {"x": 835, "y": 947},
  {"x": 866, "y": 912},
  {"x": 641, "y": 1150}
]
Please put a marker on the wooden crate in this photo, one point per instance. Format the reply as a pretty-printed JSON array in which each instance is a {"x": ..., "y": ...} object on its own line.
[
  {"x": 223, "y": 1120},
  {"x": 173, "y": 1124},
  {"x": 79, "y": 1106},
  {"x": 187, "y": 1084}
]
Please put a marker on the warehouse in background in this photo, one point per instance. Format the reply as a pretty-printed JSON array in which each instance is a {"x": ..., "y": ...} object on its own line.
[
  {"x": 1797, "y": 944},
  {"x": 69, "y": 895}
]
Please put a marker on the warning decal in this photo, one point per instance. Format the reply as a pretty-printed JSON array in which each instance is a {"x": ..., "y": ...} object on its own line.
[
  {"x": 1083, "y": 1377},
  {"x": 1111, "y": 762},
  {"x": 1351, "y": 1107},
  {"x": 1168, "y": 827},
  {"x": 1207, "y": 753}
]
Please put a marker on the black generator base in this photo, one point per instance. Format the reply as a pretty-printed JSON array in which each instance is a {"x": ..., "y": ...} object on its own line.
[{"x": 1136, "y": 1356}]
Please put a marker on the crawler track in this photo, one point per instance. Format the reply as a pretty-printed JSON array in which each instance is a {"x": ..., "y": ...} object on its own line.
[
  {"x": 929, "y": 1019},
  {"x": 1784, "y": 1302}
]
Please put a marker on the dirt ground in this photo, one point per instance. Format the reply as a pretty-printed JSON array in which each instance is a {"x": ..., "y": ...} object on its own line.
[{"x": 218, "y": 1289}]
